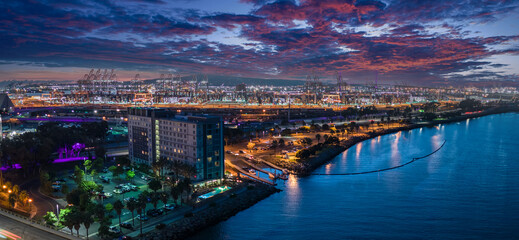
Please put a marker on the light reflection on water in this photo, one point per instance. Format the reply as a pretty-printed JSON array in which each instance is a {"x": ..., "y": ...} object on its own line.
[{"x": 467, "y": 190}]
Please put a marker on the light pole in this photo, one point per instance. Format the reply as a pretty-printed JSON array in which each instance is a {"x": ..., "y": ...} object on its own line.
[{"x": 57, "y": 211}]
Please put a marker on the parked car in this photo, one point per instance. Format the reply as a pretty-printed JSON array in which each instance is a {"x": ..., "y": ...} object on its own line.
[
  {"x": 118, "y": 191},
  {"x": 154, "y": 212},
  {"x": 169, "y": 207},
  {"x": 104, "y": 179},
  {"x": 56, "y": 188},
  {"x": 142, "y": 218},
  {"x": 242, "y": 152},
  {"x": 114, "y": 229},
  {"x": 108, "y": 194},
  {"x": 128, "y": 199},
  {"x": 127, "y": 225}
]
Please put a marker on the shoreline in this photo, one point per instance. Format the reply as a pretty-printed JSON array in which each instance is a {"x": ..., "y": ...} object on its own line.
[
  {"x": 216, "y": 212},
  {"x": 333, "y": 151},
  {"x": 190, "y": 225}
]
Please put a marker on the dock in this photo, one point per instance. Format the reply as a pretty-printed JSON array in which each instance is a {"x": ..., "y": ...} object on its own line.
[{"x": 254, "y": 177}]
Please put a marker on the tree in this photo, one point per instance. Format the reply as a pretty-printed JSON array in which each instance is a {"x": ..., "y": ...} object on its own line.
[
  {"x": 78, "y": 175},
  {"x": 155, "y": 185},
  {"x": 16, "y": 189},
  {"x": 318, "y": 137},
  {"x": 159, "y": 165},
  {"x": 130, "y": 175},
  {"x": 50, "y": 218},
  {"x": 73, "y": 197},
  {"x": 174, "y": 193},
  {"x": 325, "y": 137},
  {"x": 306, "y": 141},
  {"x": 281, "y": 143},
  {"x": 470, "y": 104},
  {"x": 99, "y": 211},
  {"x": 303, "y": 154},
  {"x": 286, "y": 132},
  {"x": 12, "y": 199},
  {"x": 118, "y": 206},
  {"x": 325, "y": 127},
  {"x": 67, "y": 219},
  {"x": 23, "y": 197},
  {"x": 116, "y": 171},
  {"x": 88, "y": 165},
  {"x": 142, "y": 201},
  {"x": 164, "y": 197},
  {"x": 109, "y": 208},
  {"x": 250, "y": 145},
  {"x": 87, "y": 221},
  {"x": 155, "y": 199},
  {"x": 77, "y": 218},
  {"x": 113, "y": 170},
  {"x": 131, "y": 205}
]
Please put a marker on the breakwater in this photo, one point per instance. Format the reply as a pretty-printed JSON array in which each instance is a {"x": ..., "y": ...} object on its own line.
[
  {"x": 331, "y": 152},
  {"x": 384, "y": 169},
  {"x": 216, "y": 213}
]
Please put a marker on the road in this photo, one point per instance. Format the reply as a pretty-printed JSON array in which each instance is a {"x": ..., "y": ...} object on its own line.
[
  {"x": 17, "y": 230},
  {"x": 42, "y": 203}
]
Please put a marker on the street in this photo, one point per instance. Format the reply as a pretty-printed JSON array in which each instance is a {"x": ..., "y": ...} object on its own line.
[{"x": 17, "y": 230}]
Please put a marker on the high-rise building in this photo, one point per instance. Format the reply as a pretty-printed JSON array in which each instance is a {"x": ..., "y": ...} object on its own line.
[{"x": 192, "y": 139}]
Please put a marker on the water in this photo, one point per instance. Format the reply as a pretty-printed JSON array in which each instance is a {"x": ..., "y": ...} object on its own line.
[{"x": 467, "y": 190}]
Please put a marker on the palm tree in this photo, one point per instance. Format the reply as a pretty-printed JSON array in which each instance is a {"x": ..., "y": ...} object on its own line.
[
  {"x": 159, "y": 165},
  {"x": 68, "y": 221},
  {"x": 77, "y": 219},
  {"x": 131, "y": 205},
  {"x": 318, "y": 137},
  {"x": 174, "y": 193},
  {"x": 118, "y": 206},
  {"x": 155, "y": 199},
  {"x": 143, "y": 199},
  {"x": 87, "y": 221},
  {"x": 23, "y": 197},
  {"x": 164, "y": 197},
  {"x": 99, "y": 211},
  {"x": 155, "y": 185},
  {"x": 12, "y": 200},
  {"x": 186, "y": 186}
]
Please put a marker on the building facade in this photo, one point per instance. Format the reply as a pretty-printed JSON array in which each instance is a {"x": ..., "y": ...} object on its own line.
[{"x": 193, "y": 139}]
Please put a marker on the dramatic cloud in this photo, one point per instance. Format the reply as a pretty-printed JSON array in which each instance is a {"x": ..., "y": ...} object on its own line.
[{"x": 418, "y": 41}]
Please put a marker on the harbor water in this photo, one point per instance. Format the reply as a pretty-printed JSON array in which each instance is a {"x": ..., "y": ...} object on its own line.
[{"x": 469, "y": 189}]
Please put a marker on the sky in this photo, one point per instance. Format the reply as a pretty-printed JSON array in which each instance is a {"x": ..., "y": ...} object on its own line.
[{"x": 415, "y": 42}]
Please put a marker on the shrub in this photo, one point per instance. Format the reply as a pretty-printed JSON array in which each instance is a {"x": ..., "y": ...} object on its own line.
[{"x": 161, "y": 225}]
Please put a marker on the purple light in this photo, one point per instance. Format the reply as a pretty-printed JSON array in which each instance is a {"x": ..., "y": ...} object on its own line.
[
  {"x": 70, "y": 159},
  {"x": 16, "y": 166},
  {"x": 59, "y": 160},
  {"x": 62, "y": 119}
]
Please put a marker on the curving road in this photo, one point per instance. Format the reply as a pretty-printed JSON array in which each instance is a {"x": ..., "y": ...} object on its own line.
[{"x": 43, "y": 203}]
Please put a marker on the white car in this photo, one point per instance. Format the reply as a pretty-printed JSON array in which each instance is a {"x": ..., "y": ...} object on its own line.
[
  {"x": 108, "y": 194},
  {"x": 114, "y": 229},
  {"x": 118, "y": 191}
]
